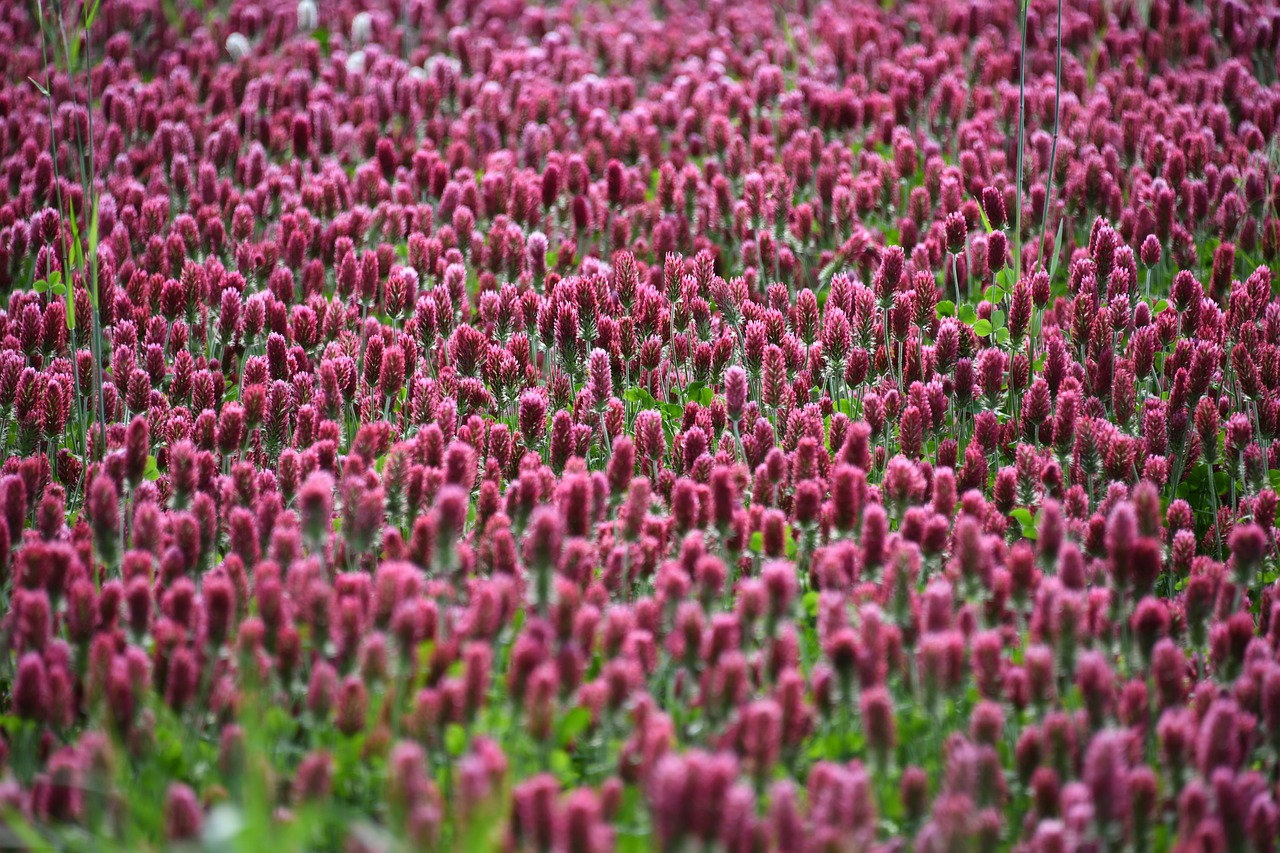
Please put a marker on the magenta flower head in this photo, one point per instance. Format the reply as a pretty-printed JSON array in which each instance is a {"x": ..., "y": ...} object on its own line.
[
  {"x": 1150, "y": 251},
  {"x": 573, "y": 498},
  {"x": 945, "y": 492},
  {"x": 1263, "y": 824},
  {"x": 314, "y": 777},
  {"x": 875, "y": 530},
  {"x": 735, "y": 392},
  {"x": 183, "y": 676},
  {"x": 957, "y": 231},
  {"x": 542, "y": 547},
  {"x": 30, "y": 695},
  {"x": 889, "y": 275},
  {"x": 391, "y": 373},
  {"x": 636, "y": 508},
  {"x": 182, "y": 814},
  {"x": 761, "y": 736},
  {"x": 450, "y": 514},
  {"x": 808, "y": 502},
  {"x": 600, "y": 381},
  {"x": 724, "y": 497},
  {"x": 993, "y": 206},
  {"x": 315, "y": 504},
  {"x": 103, "y": 505},
  {"x": 581, "y": 827},
  {"x": 533, "y": 416},
  {"x": 231, "y": 428},
  {"x": 879, "y": 723},
  {"x": 1150, "y": 622},
  {"x": 781, "y": 587},
  {"x": 534, "y": 815},
  {"x": 914, "y": 790},
  {"x": 621, "y": 467},
  {"x": 460, "y": 465},
  {"x": 1169, "y": 671},
  {"x": 987, "y": 723},
  {"x": 1097, "y": 685},
  {"x": 684, "y": 505},
  {"x": 136, "y": 448},
  {"x": 1249, "y": 545},
  {"x": 843, "y": 650},
  {"x": 353, "y": 706},
  {"x": 1121, "y": 534},
  {"x": 1218, "y": 742},
  {"x": 848, "y": 488},
  {"x": 1106, "y": 774},
  {"x": 1041, "y": 677},
  {"x": 1206, "y": 422}
]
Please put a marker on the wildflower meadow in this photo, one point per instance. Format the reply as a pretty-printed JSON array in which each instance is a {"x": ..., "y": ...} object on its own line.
[{"x": 814, "y": 426}]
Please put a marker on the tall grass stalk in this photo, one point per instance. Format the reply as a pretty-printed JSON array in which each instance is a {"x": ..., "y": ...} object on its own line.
[
  {"x": 66, "y": 253},
  {"x": 91, "y": 197},
  {"x": 1024, "y": 5},
  {"x": 85, "y": 257},
  {"x": 1053, "y": 150}
]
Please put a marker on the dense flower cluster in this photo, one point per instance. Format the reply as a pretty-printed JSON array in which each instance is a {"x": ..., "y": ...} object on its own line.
[{"x": 481, "y": 425}]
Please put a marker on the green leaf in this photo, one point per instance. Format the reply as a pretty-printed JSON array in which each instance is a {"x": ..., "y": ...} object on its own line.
[
  {"x": 946, "y": 308},
  {"x": 1057, "y": 243},
  {"x": 982, "y": 328},
  {"x": 18, "y": 826},
  {"x": 633, "y": 841},
  {"x": 986, "y": 223},
  {"x": 641, "y": 397},
  {"x": 572, "y": 725},
  {"x": 967, "y": 314},
  {"x": 58, "y": 289},
  {"x": 756, "y": 542},
  {"x": 997, "y": 318},
  {"x": 41, "y": 89},
  {"x": 455, "y": 739},
  {"x": 151, "y": 472},
  {"x": 93, "y": 229},
  {"x": 1022, "y": 515},
  {"x": 562, "y": 764},
  {"x": 1002, "y": 335},
  {"x": 1007, "y": 278},
  {"x": 40, "y": 286}
]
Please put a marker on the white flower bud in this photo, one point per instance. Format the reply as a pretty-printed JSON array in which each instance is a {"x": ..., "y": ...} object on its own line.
[
  {"x": 237, "y": 46},
  {"x": 308, "y": 15},
  {"x": 362, "y": 29}
]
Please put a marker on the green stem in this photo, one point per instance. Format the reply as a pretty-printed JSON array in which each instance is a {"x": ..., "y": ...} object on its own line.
[
  {"x": 1022, "y": 123},
  {"x": 1053, "y": 150}
]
